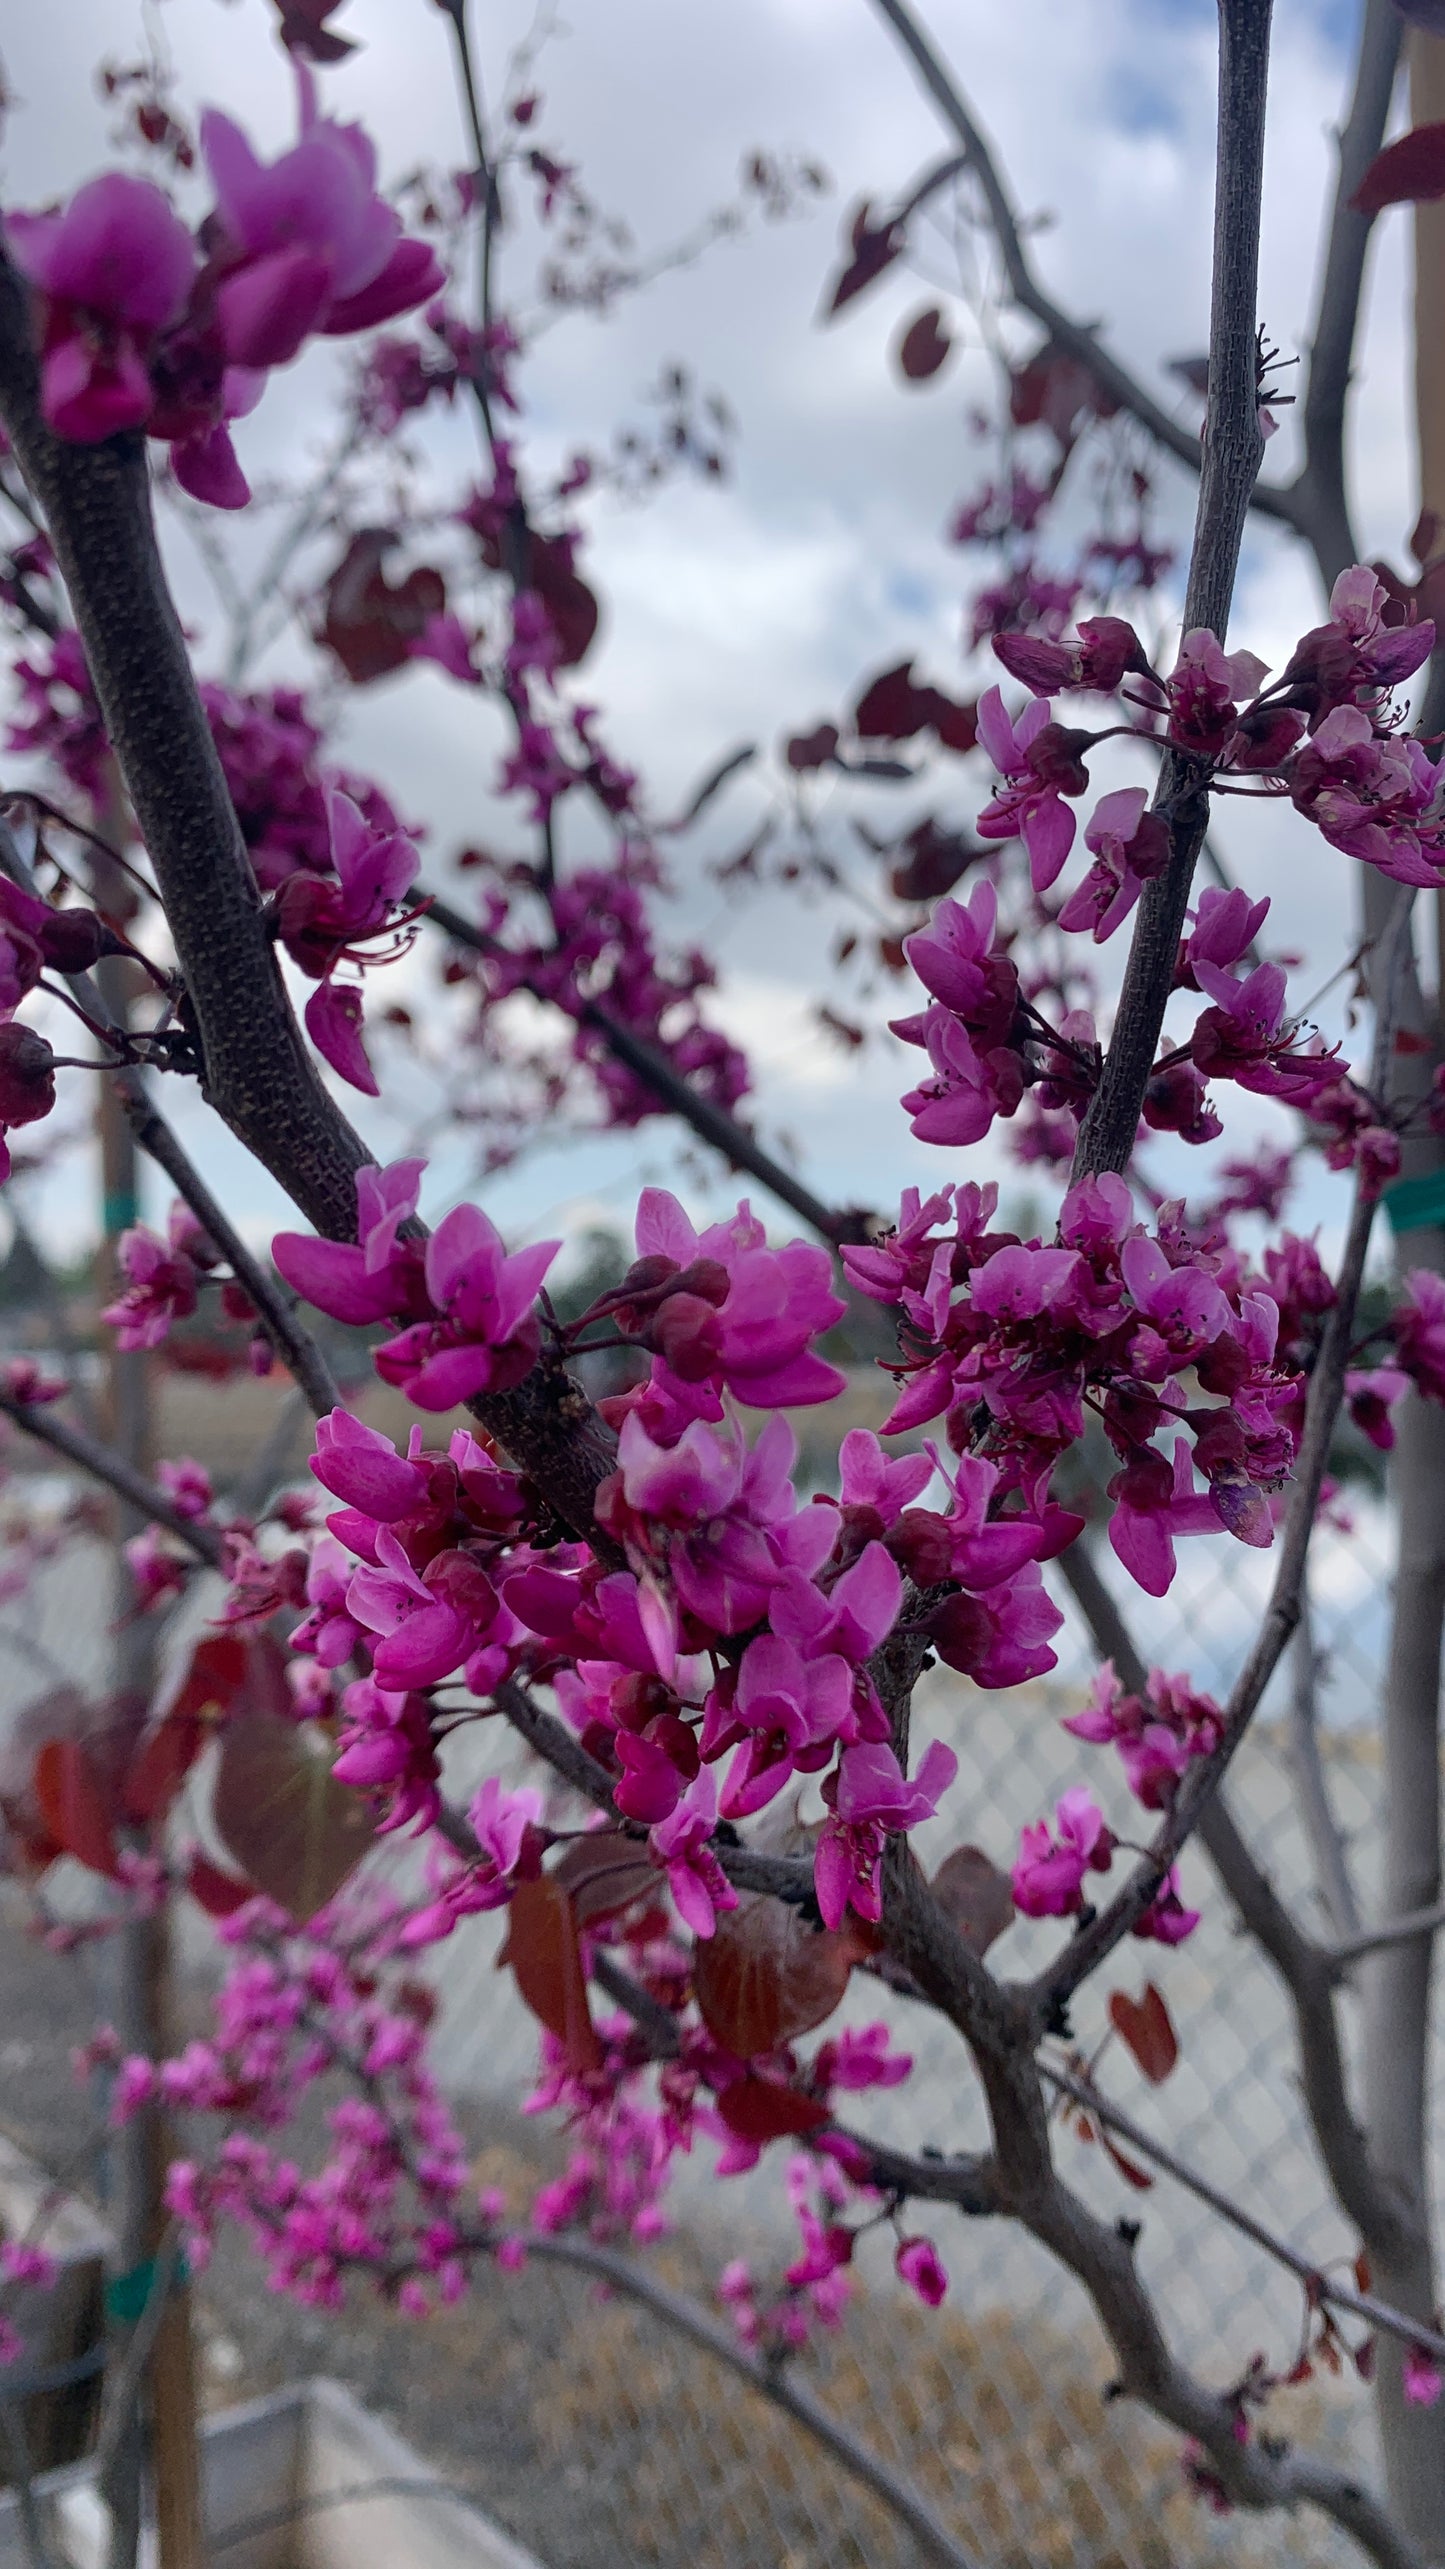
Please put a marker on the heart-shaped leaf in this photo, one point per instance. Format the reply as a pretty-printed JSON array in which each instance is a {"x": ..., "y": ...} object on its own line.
[
  {"x": 765, "y": 1976},
  {"x": 971, "y": 1890},
  {"x": 763, "y": 2109},
  {"x": 73, "y": 1805},
  {"x": 1146, "y": 2026},
  {"x": 544, "y": 1950},
  {"x": 279, "y": 1811},
  {"x": 604, "y": 1873},
  {"x": 925, "y": 347},
  {"x": 1409, "y": 171}
]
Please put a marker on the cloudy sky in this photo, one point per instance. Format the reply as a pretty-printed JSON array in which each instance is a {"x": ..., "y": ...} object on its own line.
[{"x": 746, "y": 611}]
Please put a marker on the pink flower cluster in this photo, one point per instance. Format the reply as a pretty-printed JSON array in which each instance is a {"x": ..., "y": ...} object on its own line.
[
  {"x": 1323, "y": 733},
  {"x": 742, "y": 1625},
  {"x": 1054, "y": 1864},
  {"x": 144, "y": 326},
  {"x": 1172, "y": 1345}
]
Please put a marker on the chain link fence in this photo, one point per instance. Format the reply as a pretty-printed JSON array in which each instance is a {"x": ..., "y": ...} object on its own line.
[{"x": 623, "y": 2443}]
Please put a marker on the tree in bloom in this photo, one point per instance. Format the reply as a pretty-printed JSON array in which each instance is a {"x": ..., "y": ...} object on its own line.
[{"x": 732, "y": 1684}]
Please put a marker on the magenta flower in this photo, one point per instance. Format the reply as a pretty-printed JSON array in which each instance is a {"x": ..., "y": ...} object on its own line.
[
  {"x": 922, "y": 2269},
  {"x": 877, "y": 1487},
  {"x": 1226, "y": 925},
  {"x": 1130, "y": 845},
  {"x": 1040, "y": 763},
  {"x": 430, "y": 1623},
  {"x": 1205, "y": 689},
  {"x": 1156, "y": 1503},
  {"x": 486, "y": 1335},
  {"x": 160, "y": 1288},
  {"x": 719, "y": 1511},
  {"x": 310, "y": 245},
  {"x": 115, "y": 270},
  {"x": 1166, "y": 1921},
  {"x": 968, "y": 1089},
  {"x": 330, "y": 1633},
  {"x": 1373, "y": 797},
  {"x": 334, "y": 1014},
  {"x": 1420, "y": 2377},
  {"x": 363, "y": 1468},
  {"x": 377, "y": 1277},
  {"x": 872, "y": 1786},
  {"x": 700, "y": 1888},
  {"x": 325, "y": 918},
  {"x": 1048, "y": 1878}
]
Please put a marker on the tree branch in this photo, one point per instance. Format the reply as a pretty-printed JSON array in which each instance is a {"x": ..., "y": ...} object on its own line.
[
  {"x": 712, "y": 1123},
  {"x": 104, "y": 1464},
  {"x": 1307, "y": 1969},
  {"x": 1079, "y": 338},
  {"x": 1233, "y": 445},
  {"x": 1200, "y": 1785},
  {"x": 1323, "y": 503},
  {"x": 1363, "y": 2305},
  {"x": 257, "y": 1071},
  {"x": 1392, "y": 1931},
  {"x": 773, "y": 2381}
]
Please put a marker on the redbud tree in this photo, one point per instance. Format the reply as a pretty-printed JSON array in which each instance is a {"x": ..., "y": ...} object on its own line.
[{"x": 715, "y": 1671}]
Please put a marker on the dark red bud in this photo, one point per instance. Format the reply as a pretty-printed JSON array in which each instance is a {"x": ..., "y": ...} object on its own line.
[{"x": 27, "y": 1075}]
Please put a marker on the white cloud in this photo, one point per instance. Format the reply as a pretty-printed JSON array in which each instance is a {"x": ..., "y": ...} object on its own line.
[{"x": 742, "y": 612}]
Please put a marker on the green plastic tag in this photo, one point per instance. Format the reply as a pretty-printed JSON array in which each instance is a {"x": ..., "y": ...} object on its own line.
[
  {"x": 127, "y": 2295},
  {"x": 1412, "y": 1203}
]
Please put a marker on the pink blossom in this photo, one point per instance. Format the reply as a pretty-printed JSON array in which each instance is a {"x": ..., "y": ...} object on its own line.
[
  {"x": 362, "y": 1467},
  {"x": 485, "y": 1336},
  {"x": 187, "y": 1485},
  {"x": 160, "y": 1288},
  {"x": 115, "y": 269},
  {"x": 1420, "y": 2377},
  {"x": 1040, "y": 762},
  {"x": 325, "y": 917},
  {"x": 1048, "y": 1879},
  {"x": 699, "y": 1886},
  {"x": 430, "y": 1622},
  {"x": 922, "y": 2269},
  {"x": 309, "y": 243},
  {"x": 1166, "y": 1921},
  {"x": 1130, "y": 845},
  {"x": 1204, "y": 689},
  {"x": 378, "y": 1276}
]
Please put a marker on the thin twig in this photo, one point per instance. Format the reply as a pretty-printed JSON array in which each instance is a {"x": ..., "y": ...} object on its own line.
[
  {"x": 103, "y": 1463},
  {"x": 712, "y": 1123},
  {"x": 1233, "y": 445},
  {"x": 1327, "y": 1847},
  {"x": 1326, "y": 1392},
  {"x": 1078, "y": 338},
  {"x": 1363, "y": 2305},
  {"x": 1391, "y": 1931}
]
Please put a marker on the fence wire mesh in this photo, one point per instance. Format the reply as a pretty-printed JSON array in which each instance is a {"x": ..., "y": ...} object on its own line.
[{"x": 625, "y": 2443}]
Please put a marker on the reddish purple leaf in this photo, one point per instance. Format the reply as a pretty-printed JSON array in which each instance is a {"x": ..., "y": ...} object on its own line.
[
  {"x": 73, "y": 1805},
  {"x": 369, "y": 625},
  {"x": 763, "y": 2109},
  {"x": 1146, "y": 2026},
  {"x": 545, "y": 1953},
  {"x": 874, "y": 248},
  {"x": 219, "y": 1894},
  {"x": 765, "y": 1976},
  {"x": 280, "y": 1812},
  {"x": 812, "y": 748},
  {"x": 1410, "y": 171},
  {"x": 975, "y": 1895},
  {"x": 924, "y": 348}
]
